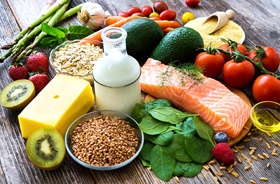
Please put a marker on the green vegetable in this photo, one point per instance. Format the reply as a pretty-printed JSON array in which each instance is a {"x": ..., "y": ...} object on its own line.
[
  {"x": 57, "y": 36},
  {"x": 177, "y": 143},
  {"x": 162, "y": 162},
  {"x": 187, "y": 169},
  {"x": 163, "y": 139},
  {"x": 203, "y": 129},
  {"x": 198, "y": 149},
  {"x": 157, "y": 103},
  {"x": 169, "y": 114},
  {"x": 152, "y": 126}
]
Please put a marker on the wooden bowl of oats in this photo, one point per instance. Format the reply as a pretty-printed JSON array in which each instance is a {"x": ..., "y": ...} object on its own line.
[
  {"x": 75, "y": 59},
  {"x": 104, "y": 140}
]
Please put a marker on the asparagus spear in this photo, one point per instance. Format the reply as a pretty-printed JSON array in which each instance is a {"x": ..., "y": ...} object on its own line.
[
  {"x": 39, "y": 20},
  {"x": 24, "y": 41},
  {"x": 54, "y": 19}
]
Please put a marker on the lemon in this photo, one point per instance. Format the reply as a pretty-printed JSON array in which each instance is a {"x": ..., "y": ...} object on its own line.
[{"x": 187, "y": 16}]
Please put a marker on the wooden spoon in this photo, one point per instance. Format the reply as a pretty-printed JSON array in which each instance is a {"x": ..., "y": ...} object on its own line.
[{"x": 222, "y": 17}]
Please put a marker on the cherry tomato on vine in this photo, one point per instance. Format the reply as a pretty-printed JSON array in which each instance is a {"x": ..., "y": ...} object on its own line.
[
  {"x": 147, "y": 10},
  {"x": 167, "y": 15},
  {"x": 241, "y": 48},
  {"x": 238, "y": 74},
  {"x": 133, "y": 9},
  {"x": 266, "y": 87},
  {"x": 192, "y": 3},
  {"x": 212, "y": 64},
  {"x": 270, "y": 59}
]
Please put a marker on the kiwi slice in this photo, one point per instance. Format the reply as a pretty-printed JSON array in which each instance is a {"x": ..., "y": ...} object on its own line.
[
  {"x": 45, "y": 148},
  {"x": 17, "y": 94}
]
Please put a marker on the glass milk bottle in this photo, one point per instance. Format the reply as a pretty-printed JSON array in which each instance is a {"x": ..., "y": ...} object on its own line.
[{"x": 116, "y": 75}]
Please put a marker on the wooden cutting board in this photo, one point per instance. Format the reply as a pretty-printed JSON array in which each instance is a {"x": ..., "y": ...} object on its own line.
[{"x": 246, "y": 129}]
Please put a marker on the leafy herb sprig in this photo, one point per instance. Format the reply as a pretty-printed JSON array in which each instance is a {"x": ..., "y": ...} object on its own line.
[{"x": 57, "y": 35}]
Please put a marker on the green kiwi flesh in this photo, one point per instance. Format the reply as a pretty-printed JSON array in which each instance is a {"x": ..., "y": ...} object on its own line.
[
  {"x": 17, "y": 94},
  {"x": 45, "y": 148}
]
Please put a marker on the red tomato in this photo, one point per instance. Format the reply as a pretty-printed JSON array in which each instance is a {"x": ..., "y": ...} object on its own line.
[
  {"x": 147, "y": 10},
  {"x": 238, "y": 74},
  {"x": 167, "y": 15},
  {"x": 140, "y": 14},
  {"x": 167, "y": 30},
  {"x": 270, "y": 59},
  {"x": 192, "y": 3},
  {"x": 133, "y": 9},
  {"x": 212, "y": 64},
  {"x": 123, "y": 14},
  {"x": 266, "y": 87},
  {"x": 160, "y": 6},
  {"x": 241, "y": 48}
]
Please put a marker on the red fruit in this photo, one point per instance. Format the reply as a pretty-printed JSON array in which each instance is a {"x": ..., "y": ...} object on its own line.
[
  {"x": 223, "y": 154},
  {"x": 192, "y": 3},
  {"x": 18, "y": 71},
  {"x": 36, "y": 61},
  {"x": 40, "y": 80}
]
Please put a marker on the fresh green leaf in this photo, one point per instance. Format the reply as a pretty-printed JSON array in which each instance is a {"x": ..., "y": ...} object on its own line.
[
  {"x": 145, "y": 163},
  {"x": 146, "y": 151},
  {"x": 78, "y": 32},
  {"x": 63, "y": 29},
  {"x": 157, "y": 103},
  {"x": 169, "y": 114},
  {"x": 52, "y": 31},
  {"x": 189, "y": 169},
  {"x": 162, "y": 139},
  {"x": 162, "y": 162},
  {"x": 200, "y": 150},
  {"x": 186, "y": 126},
  {"x": 152, "y": 126},
  {"x": 178, "y": 145},
  {"x": 203, "y": 129},
  {"x": 137, "y": 112}
]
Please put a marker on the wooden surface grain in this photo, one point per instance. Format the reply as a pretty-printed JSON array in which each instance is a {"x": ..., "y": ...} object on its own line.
[{"x": 260, "y": 21}]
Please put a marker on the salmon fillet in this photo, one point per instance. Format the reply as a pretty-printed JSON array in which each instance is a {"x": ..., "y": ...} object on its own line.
[{"x": 215, "y": 103}]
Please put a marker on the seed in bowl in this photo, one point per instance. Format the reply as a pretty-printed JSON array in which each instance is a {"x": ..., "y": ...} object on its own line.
[
  {"x": 77, "y": 59},
  {"x": 104, "y": 141}
]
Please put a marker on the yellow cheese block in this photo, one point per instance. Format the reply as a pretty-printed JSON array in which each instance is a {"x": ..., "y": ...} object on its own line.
[{"x": 62, "y": 101}]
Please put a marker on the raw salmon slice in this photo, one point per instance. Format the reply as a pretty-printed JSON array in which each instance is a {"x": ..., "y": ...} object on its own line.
[{"x": 215, "y": 103}]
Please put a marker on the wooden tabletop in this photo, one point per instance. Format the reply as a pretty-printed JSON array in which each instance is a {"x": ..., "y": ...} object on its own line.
[{"x": 260, "y": 21}]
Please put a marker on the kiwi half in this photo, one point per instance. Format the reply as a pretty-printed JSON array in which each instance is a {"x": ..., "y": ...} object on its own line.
[
  {"x": 45, "y": 148},
  {"x": 17, "y": 94}
]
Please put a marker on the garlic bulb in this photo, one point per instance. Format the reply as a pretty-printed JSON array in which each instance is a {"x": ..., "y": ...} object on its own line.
[{"x": 92, "y": 15}]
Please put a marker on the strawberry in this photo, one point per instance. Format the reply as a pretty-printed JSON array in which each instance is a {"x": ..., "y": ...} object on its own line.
[
  {"x": 36, "y": 61},
  {"x": 223, "y": 154},
  {"x": 18, "y": 71},
  {"x": 40, "y": 80}
]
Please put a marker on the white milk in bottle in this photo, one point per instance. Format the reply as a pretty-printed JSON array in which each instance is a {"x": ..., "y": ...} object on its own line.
[{"x": 116, "y": 75}]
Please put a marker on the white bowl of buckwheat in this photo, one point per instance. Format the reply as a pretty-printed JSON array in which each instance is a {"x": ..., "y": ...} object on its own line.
[
  {"x": 75, "y": 59},
  {"x": 104, "y": 140}
]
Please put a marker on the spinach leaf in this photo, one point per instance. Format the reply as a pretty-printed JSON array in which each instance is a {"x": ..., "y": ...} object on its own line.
[
  {"x": 162, "y": 162},
  {"x": 178, "y": 145},
  {"x": 152, "y": 126},
  {"x": 137, "y": 112},
  {"x": 145, "y": 163},
  {"x": 169, "y": 114},
  {"x": 203, "y": 129},
  {"x": 199, "y": 149},
  {"x": 162, "y": 139},
  {"x": 189, "y": 169},
  {"x": 146, "y": 151},
  {"x": 186, "y": 126},
  {"x": 157, "y": 103}
]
